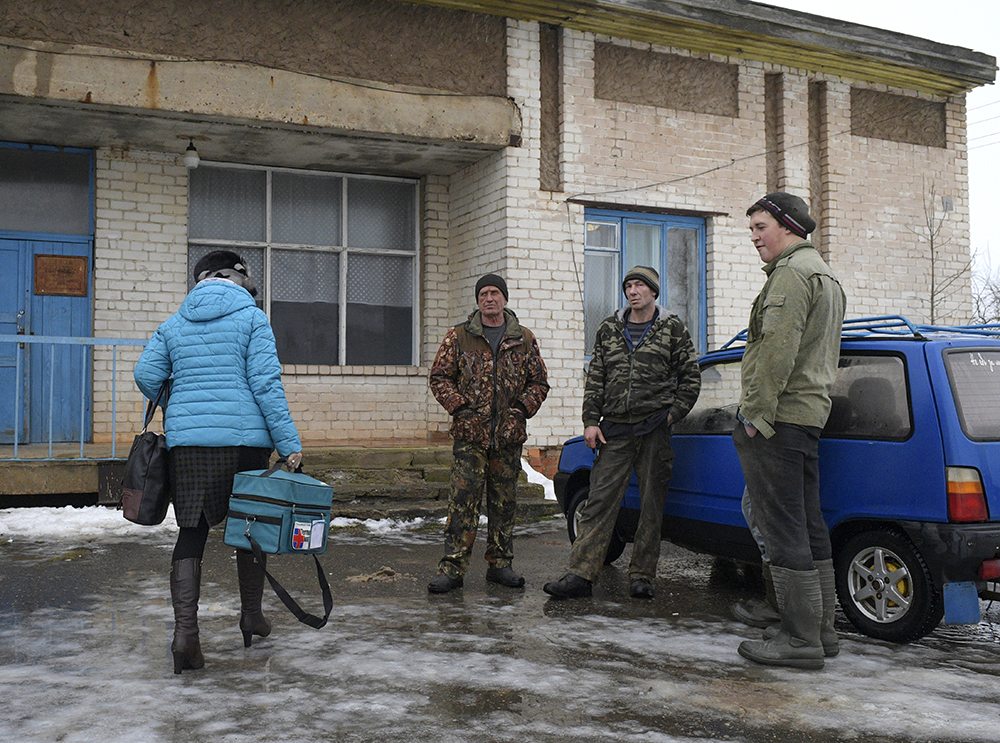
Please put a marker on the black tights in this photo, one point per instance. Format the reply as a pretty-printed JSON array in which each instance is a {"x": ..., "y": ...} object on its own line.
[{"x": 191, "y": 541}]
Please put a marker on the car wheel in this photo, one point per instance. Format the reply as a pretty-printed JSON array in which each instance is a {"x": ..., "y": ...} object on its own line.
[
  {"x": 615, "y": 546},
  {"x": 885, "y": 588}
]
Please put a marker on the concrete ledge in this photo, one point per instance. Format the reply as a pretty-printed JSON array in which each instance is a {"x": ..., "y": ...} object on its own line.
[
  {"x": 95, "y": 78},
  {"x": 45, "y": 477}
]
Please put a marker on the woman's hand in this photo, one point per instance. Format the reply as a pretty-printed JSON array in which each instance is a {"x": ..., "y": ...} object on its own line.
[{"x": 293, "y": 461}]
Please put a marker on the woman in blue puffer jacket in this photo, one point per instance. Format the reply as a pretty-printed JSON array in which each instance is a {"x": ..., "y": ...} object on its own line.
[{"x": 226, "y": 412}]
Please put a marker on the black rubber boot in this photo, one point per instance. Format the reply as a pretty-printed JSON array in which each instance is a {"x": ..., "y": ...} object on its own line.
[
  {"x": 505, "y": 576},
  {"x": 800, "y": 604},
  {"x": 828, "y": 584},
  {"x": 185, "y": 590},
  {"x": 442, "y": 583},
  {"x": 827, "y": 633},
  {"x": 251, "y": 577},
  {"x": 570, "y": 586},
  {"x": 758, "y": 613}
]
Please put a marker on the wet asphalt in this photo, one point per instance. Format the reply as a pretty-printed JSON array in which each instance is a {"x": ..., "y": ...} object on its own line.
[{"x": 85, "y": 633}]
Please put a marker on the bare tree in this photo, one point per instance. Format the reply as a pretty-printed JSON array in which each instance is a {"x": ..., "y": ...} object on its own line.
[
  {"x": 930, "y": 233},
  {"x": 986, "y": 293}
]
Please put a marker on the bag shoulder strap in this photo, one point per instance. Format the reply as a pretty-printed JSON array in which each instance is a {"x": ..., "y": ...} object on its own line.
[
  {"x": 151, "y": 405},
  {"x": 288, "y": 601}
]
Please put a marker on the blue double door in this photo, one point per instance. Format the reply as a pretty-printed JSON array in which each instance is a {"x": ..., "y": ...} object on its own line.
[{"x": 45, "y": 388}]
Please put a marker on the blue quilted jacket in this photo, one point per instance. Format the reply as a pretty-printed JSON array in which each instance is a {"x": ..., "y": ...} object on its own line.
[{"x": 226, "y": 388}]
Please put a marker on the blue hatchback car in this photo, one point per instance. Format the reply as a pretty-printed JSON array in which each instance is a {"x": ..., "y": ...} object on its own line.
[{"x": 909, "y": 473}]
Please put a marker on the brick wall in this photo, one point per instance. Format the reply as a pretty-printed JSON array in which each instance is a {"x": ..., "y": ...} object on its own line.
[{"x": 140, "y": 269}]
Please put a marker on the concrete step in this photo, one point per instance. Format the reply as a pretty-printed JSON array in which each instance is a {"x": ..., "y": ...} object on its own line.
[
  {"x": 531, "y": 509},
  {"x": 368, "y": 482}
]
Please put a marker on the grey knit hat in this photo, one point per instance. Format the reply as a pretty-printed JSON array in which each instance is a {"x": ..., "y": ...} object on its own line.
[
  {"x": 790, "y": 211},
  {"x": 646, "y": 275}
]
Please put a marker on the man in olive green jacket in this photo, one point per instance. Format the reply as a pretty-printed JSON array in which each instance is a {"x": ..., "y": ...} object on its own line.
[{"x": 789, "y": 366}]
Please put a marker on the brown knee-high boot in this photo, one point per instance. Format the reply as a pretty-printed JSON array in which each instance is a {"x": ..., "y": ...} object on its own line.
[
  {"x": 185, "y": 589},
  {"x": 251, "y": 577}
]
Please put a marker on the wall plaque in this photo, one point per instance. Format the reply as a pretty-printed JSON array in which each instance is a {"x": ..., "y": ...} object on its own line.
[{"x": 61, "y": 275}]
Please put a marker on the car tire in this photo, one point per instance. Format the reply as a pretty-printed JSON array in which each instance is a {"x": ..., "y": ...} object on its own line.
[
  {"x": 885, "y": 588},
  {"x": 615, "y": 546}
]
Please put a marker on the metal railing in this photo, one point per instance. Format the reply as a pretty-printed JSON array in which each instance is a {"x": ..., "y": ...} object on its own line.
[{"x": 87, "y": 370}]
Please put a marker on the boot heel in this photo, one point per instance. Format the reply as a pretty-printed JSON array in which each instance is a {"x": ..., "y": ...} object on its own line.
[
  {"x": 178, "y": 662},
  {"x": 247, "y": 638}
]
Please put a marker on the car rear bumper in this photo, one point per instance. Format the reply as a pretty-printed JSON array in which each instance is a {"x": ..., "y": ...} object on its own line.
[{"x": 954, "y": 552}]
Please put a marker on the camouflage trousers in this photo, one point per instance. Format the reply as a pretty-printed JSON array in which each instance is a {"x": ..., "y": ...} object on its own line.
[
  {"x": 652, "y": 457},
  {"x": 477, "y": 472}
]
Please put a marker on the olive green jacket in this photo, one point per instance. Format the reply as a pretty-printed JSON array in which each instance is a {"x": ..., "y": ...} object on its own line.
[{"x": 793, "y": 342}]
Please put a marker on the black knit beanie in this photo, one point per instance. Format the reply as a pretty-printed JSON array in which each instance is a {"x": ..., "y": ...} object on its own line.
[
  {"x": 790, "y": 211},
  {"x": 491, "y": 279}
]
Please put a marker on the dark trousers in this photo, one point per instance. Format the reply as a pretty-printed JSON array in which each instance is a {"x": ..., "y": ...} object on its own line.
[
  {"x": 653, "y": 460},
  {"x": 476, "y": 473},
  {"x": 782, "y": 477}
]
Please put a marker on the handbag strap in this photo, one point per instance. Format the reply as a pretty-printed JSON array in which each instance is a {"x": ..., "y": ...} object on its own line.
[
  {"x": 288, "y": 601},
  {"x": 151, "y": 405}
]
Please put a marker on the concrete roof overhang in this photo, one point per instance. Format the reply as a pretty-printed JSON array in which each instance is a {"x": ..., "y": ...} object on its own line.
[
  {"x": 76, "y": 96},
  {"x": 67, "y": 95}
]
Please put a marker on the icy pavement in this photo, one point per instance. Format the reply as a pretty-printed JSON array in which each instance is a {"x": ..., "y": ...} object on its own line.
[{"x": 85, "y": 623}]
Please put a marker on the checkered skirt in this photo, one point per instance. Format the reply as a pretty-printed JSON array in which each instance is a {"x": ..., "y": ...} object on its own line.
[{"x": 202, "y": 479}]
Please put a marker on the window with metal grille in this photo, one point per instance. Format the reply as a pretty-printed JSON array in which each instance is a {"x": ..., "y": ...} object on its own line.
[
  {"x": 335, "y": 257},
  {"x": 674, "y": 245}
]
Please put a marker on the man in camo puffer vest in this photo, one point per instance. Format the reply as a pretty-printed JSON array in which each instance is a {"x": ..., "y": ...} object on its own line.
[
  {"x": 643, "y": 378},
  {"x": 490, "y": 377}
]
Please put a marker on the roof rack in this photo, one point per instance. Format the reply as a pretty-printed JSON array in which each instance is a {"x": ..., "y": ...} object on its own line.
[{"x": 862, "y": 327}]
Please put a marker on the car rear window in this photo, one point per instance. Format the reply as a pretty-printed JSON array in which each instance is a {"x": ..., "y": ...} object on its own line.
[
  {"x": 975, "y": 382},
  {"x": 869, "y": 399}
]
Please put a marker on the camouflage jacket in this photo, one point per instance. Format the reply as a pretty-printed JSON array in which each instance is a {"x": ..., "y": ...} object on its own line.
[
  {"x": 489, "y": 398},
  {"x": 628, "y": 385}
]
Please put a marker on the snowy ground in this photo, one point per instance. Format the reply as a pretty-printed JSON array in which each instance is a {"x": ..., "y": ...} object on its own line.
[{"x": 85, "y": 625}]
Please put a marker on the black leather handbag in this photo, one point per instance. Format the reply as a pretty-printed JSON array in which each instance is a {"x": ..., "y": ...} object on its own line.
[{"x": 145, "y": 493}]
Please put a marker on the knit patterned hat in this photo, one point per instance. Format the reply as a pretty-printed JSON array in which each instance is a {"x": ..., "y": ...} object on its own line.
[
  {"x": 790, "y": 211},
  {"x": 646, "y": 275},
  {"x": 218, "y": 260},
  {"x": 224, "y": 264}
]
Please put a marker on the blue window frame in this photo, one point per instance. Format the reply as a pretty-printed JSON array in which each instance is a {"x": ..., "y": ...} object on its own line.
[{"x": 673, "y": 245}]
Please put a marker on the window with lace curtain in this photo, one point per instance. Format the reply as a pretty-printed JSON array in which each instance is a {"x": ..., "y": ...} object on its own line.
[{"x": 334, "y": 257}]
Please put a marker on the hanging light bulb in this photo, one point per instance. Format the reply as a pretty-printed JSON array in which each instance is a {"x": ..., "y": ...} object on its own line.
[{"x": 191, "y": 159}]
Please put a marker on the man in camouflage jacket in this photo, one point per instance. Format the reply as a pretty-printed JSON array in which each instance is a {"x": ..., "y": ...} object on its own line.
[
  {"x": 643, "y": 378},
  {"x": 490, "y": 377}
]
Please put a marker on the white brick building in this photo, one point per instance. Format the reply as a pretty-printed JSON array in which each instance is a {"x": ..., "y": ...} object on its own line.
[{"x": 371, "y": 159}]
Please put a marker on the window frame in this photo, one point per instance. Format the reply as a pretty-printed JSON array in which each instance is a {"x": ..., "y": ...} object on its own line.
[
  {"x": 622, "y": 219},
  {"x": 343, "y": 251}
]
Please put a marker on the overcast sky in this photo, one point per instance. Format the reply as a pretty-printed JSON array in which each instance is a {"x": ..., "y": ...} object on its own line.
[{"x": 973, "y": 24}]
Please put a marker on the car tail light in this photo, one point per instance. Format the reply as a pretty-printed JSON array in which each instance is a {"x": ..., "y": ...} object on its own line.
[
  {"x": 989, "y": 570},
  {"x": 966, "y": 498}
]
